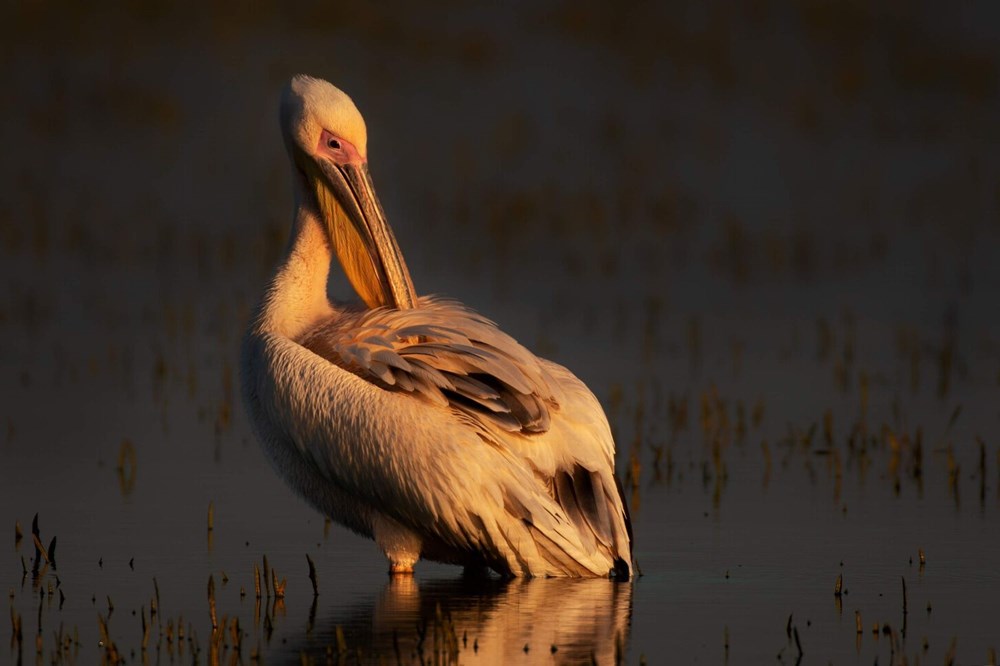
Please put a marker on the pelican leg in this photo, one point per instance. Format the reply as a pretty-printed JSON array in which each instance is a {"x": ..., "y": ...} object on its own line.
[
  {"x": 400, "y": 545},
  {"x": 401, "y": 568}
]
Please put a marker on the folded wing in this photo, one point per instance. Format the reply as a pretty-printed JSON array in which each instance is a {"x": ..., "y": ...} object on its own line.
[{"x": 446, "y": 354}]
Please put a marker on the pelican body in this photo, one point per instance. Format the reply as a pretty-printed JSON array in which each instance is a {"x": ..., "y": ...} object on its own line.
[{"x": 414, "y": 420}]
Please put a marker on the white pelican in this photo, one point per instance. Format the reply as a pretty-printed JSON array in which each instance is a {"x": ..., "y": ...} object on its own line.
[{"x": 414, "y": 420}]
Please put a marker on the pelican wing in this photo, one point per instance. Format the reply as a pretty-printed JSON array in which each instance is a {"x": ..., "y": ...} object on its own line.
[
  {"x": 446, "y": 354},
  {"x": 551, "y": 493}
]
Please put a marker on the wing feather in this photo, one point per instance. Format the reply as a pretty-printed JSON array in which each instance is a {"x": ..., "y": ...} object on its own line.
[
  {"x": 404, "y": 382},
  {"x": 391, "y": 358},
  {"x": 448, "y": 355}
]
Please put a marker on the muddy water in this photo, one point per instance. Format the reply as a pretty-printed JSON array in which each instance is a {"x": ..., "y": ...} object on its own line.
[{"x": 767, "y": 244}]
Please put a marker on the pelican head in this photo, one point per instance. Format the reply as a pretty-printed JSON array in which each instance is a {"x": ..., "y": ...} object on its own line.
[{"x": 327, "y": 142}]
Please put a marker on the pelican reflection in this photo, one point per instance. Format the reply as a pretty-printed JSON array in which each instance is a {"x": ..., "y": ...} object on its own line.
[{"x": 485, "y": 621}]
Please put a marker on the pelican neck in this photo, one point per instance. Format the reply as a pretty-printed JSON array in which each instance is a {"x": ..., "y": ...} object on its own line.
[{"x": 297, "y": 297}]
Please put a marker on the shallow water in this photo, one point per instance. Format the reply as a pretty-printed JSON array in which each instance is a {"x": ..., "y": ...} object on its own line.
[{"x": 769, "y": 247}]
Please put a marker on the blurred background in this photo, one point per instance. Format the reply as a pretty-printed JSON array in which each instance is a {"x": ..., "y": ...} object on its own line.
[{"x": 761, "y": 229}]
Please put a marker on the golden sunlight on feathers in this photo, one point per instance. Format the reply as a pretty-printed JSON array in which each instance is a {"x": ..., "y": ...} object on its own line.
[
  {"x": 310, "y": 105},
  {"x": 416, "y": 421}
]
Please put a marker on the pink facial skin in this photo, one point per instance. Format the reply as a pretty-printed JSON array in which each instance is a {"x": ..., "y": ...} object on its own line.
[{"x": 338, "y": 150}]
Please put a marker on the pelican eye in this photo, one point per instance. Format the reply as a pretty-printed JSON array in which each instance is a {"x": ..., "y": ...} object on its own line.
[{"x": 333, "y": 143}]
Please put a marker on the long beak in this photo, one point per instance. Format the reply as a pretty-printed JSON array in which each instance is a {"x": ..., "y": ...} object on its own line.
[{"x": 362, "y": 238}]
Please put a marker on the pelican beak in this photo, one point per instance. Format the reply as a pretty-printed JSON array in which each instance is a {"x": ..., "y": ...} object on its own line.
[{"x": 361, "y": 236}]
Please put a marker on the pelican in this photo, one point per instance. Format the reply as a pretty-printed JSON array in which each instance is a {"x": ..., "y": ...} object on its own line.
[{"x": 414, "y": 420}]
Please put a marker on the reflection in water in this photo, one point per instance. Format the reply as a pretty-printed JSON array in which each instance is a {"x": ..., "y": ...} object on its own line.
[{"x": 484, "y": 621}]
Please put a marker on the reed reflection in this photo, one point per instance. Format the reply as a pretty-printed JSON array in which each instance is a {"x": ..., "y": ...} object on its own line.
[{"x": 483, "y": 621}]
